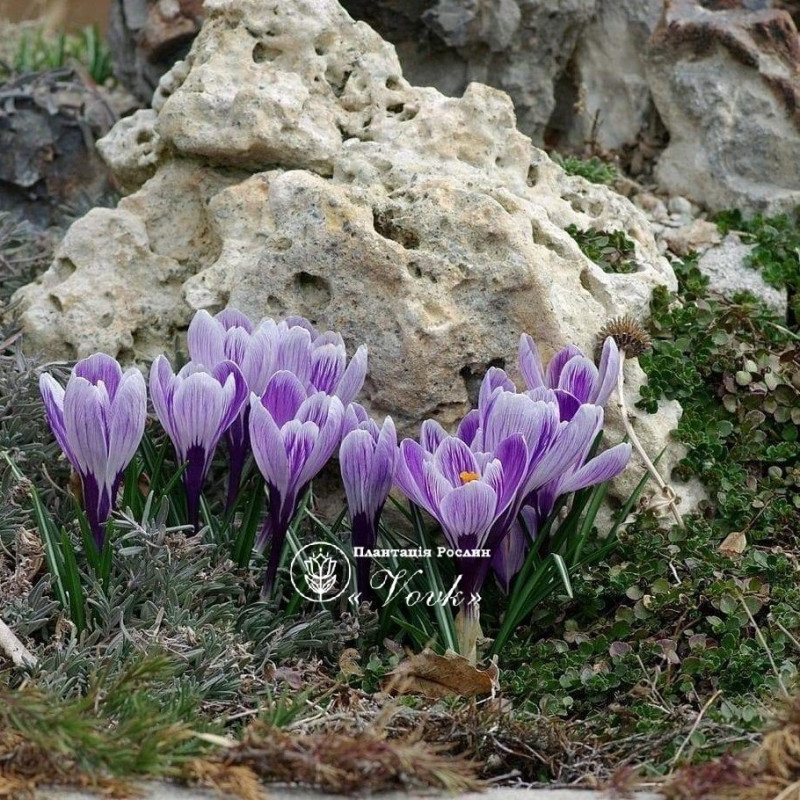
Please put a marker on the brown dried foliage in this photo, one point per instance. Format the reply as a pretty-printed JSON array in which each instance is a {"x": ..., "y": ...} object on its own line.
[
  {"x": 769, "y": 771},
  {"x": 347, "y": 763}
]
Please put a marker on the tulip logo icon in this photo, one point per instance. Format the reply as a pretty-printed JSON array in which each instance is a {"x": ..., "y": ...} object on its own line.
[{"x": 320, "y": 572}]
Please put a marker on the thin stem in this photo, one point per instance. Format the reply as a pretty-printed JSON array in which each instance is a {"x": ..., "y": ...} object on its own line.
[{"x": 666, "y": 489}]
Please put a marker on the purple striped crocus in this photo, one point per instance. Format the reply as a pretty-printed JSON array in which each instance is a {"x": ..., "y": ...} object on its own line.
[
  {"x": 367, "y": 459},
  {"x": 468, "y": 493},
  {"x": 559, "y": 432},
  {"x": 196, "y": 407},
  {"x": 293, "y": 433},
  {"x": 571, "y": 371},
  {"x": 98, "y": 421},
  {"x": 229, "y": 335},
  {"x": 319, "y": 360},
  {"x": 509, "y": 556}
]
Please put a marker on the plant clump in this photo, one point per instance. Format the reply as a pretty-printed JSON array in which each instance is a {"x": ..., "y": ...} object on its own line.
[{"x": 613, "y": 251}]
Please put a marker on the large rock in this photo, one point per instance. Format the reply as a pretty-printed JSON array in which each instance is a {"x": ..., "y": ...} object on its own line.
[
  {"x": 727, "y": 86},
  {"x": 603, "y": 98},
  {"x": 290, "y": 169}
]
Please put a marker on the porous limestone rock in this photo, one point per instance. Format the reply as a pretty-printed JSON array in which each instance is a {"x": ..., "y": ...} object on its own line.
[
  {"x": 299, "y": 173},
  {"x": 727, "y": 86}
]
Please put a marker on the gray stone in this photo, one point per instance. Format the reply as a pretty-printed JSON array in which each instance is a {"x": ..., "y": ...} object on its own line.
[
  {"x": 604, "y": 98},
  {"x": 725, "y": 267},
  {"x": 727, "y": 87}
]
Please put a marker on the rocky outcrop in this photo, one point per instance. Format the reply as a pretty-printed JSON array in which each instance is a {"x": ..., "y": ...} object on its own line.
[
  {"x": 289, "y": 168},
  {"x": 726, "y": 82}
]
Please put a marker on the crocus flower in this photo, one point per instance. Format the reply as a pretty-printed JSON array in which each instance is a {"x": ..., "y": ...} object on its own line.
[
  {"x": 196, "y": 407},
  {"x": 366, "y": 458},
  {"x": 509, "y": 556},
  {"x": 559, "y": 432},
  {"x": 571, "y": 371},
  {"x": 293, "y": 433},
  {"x": 319, "y": 360},
  {"x": 229, "y": 335},
  {"x": 467, "y": 493},
  {"x": 98, "y": 422}
]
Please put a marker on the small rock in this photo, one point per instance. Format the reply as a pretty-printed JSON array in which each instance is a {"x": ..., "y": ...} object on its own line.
[
  {"x": 652, "y": 205},
  {"x": 698, "y": 236},
  {"x": 680, "y": 206},
  {"x": 728, "y": 273}
]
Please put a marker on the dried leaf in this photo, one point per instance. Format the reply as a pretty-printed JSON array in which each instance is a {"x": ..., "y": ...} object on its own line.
[
  {"x": 436, "y": 676},
  {"x": 348, "y": 662},
  {"x": 734, "y": 545}
]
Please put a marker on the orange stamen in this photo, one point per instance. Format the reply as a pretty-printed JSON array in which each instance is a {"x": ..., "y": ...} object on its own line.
[{"x": 466, "y": 477}]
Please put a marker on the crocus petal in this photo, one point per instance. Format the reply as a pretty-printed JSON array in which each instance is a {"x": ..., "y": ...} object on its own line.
[
  {"x": 517, "y": 413},
  {"x": 512, "y": 454},
  {"x": 468, "y": 427},
  {"x": 327, "y": 366},
  {"x": 494, "y": 379},
  {"x": 431, "y": 435},
  {"x": 293, "y": 353},
  {"x": 298, "y": 439},
  {"x": 578, "y": 377},
  {"x": 330, "y": 432},
  {"x": 205, "y": 339},
  {"x": 236, "y": 345},
  {"x": 162, "y": 392},
  {"x": 411, "y": 475},
  {"x": 269, "y": 451},
  {"x": 234, "y": 392},
  {"x": 568, "y": 404},
  {"x": 354, "y": 416},
  {"x": 233, "y": 318},
  {"x": 530, "y": 362},
  {"x": 557, "y": 363},
  {"x": 353, "y": 379},
  {"x": 53, "y": 396},
  {"x": 294, "y": 321},
  {"x": 86, "y": 426},
  {"x": 197, "y": 410},
  {"x": 258, "y": 363},
  {"x": 608, "y": 370},
  {"x": 126, "y": 423},
  {"x": 453, "y": 459},
  {"x": 599, "y": 469},
  {"x": 283, "y": 396},
  {"x": 385, "y": 458},
  {"x": 356, "y": 458},
  {"x": 468, "y": 511},
  {"x": 100, "y": 367},
  {"x": 570, "y": 447},
  {"x": 509, "y": 556}
]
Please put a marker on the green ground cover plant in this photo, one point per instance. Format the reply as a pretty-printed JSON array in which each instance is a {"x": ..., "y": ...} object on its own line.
[
  {"x": 613, "y": 251},
  {"x": 593, "y": 169}
]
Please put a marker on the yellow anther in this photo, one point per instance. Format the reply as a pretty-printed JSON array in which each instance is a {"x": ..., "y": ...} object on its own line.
[{"x": 466, "y": 477}]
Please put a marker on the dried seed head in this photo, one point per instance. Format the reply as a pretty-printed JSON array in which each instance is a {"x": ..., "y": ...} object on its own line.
[{"x": 631, "y": 338}]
